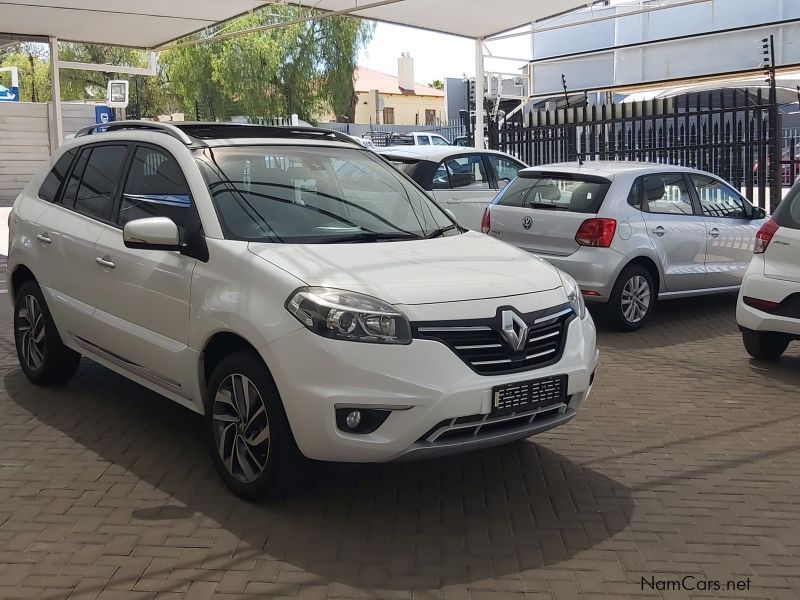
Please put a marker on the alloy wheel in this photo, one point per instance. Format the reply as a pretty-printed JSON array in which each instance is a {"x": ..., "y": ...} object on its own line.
[
  {"x": 241, "y": 428},
  {"x": 635, "y": 299},
  {"x": 31, "y": 332}
]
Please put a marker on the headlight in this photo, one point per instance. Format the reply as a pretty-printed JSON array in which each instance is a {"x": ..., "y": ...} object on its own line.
[
  {"x": 343, "y": 315},
  {"x": 574, "y": 294}
]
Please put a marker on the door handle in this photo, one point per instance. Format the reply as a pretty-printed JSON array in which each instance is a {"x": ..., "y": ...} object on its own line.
[
  {"x": 105, "y": 262},
  {"x": 714, "y": 232},
  {"x": 659, "y": 231},
  {"x": 44, "y": 238}
]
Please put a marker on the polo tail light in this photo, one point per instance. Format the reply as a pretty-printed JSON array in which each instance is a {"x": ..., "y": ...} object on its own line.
[
  {"x": 597, "y": 233},
  {"x": 765, "y": 235},
  {"x": 486, "y": 220}
]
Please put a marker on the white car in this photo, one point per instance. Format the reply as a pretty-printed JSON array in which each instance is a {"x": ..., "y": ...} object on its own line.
[
  {"x": 462, "y": 180},
  {"x": 294, "y": 288},
  {"x": 768, "y": 310}
]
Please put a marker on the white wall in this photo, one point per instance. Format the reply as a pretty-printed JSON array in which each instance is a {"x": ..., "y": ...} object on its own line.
[{"x": 25, "y": 140}]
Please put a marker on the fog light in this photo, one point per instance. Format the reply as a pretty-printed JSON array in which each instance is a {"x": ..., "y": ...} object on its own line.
[
  {"x": 353, "y": 419},
  {"x": 360, "y": 421}
]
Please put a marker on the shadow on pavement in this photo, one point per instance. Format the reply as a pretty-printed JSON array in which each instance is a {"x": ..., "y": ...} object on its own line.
[{"x": 483, "y": 515}]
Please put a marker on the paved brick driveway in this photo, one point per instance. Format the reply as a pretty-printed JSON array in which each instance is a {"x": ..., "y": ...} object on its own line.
[{"x": 686, "y": 461}]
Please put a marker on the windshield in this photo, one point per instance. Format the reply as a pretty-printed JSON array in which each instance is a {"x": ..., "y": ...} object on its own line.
[
  {"x": 306, "y": 194},
  {"x": 564, "y": 191}
]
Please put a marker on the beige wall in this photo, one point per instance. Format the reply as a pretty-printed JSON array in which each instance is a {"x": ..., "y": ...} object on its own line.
[
  {"x": 406, "y": 108},
  {"x": 25, "y": 140}
]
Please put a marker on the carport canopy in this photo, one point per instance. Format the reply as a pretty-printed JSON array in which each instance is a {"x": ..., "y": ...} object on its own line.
[
  {"x": 152, "y": 24},
  {"x": 149, "y": 24}
]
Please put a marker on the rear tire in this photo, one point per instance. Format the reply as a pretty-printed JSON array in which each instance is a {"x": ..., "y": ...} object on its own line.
[
  {"x": 44, "y": 358},
  {"x": 765, "y": 345},
  {"x": 632, "y": 299},
  {"x": 248, "y": 434}
]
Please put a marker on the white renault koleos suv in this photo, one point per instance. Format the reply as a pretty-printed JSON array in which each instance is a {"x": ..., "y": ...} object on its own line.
[{"x": 296, "y": 289}]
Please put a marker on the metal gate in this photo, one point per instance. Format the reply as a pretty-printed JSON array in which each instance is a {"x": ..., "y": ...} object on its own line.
[{"x": 734, "y": 134}]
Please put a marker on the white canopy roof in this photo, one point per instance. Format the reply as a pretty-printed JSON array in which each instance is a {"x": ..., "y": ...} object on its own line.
[{"x": 153, "y": 23}]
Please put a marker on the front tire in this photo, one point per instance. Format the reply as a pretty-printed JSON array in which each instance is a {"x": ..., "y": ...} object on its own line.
[
  {"x": 632, "y": 299},
  {"x": 44, "y": 358},
  {"x": 248, "y": 433},
  {"x": 765, "y": 345}
]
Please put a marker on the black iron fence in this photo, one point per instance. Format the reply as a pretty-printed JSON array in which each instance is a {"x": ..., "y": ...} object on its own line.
[{"x": 735, "y": 135}]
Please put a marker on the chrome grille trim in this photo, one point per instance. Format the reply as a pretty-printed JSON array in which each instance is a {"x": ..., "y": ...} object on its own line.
[
  {"x": 566, "y": 311},
  {"x": 482, "y": 345},
  {"x": 433, "y": 329},
  {"x": 559, "y": 407}
]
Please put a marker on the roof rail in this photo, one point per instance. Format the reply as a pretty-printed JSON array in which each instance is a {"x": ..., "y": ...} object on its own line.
[
  {"x": 205, "y": 131},
  {"x": 167, "y": 128}
]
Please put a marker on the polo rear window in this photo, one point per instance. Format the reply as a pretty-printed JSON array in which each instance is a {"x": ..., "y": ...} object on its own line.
[{"x": 555, "y": 191}]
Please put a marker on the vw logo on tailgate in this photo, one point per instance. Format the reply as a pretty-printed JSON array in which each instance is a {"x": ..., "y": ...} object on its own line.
[{"x": 527, "y": 223}]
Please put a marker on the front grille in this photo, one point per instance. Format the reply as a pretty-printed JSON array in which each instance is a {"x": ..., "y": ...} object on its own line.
[
  {"x": 480, "y": 344},
  {"x": 475, "y": 426}
]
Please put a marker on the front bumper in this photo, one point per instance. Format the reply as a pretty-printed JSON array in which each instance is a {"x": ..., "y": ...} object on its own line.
[
  {"x": 423, "y": 384},
  {"x": 595, "y": 269}
]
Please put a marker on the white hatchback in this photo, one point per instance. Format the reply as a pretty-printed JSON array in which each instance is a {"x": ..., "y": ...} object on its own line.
[
  {"x": 768, "y": 311},
  {"x": 294, "y": 288}
]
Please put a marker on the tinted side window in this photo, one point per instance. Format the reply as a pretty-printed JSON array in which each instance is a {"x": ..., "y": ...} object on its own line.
[
  {"x": 439, "y": 141},
  {"x": 155, "y": 187},
  {"x": 635, "y": 195},
  {"x": 71, "y": 189},
  {"x": 505, "y": 169},
  {"x": 666, "y": 194},
  {"x": 441, "y": 181},
  {"x": 788, "y": 212},
  {"x": 100, "y": 179},
  {"x": 467, "y": 173},
  {"x": 424, "y": 140},
  {"x": 717, "y": 200},
  {"x": 52, "y": 183}
]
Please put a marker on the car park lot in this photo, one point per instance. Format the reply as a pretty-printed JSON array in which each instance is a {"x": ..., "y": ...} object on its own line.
[{"x": 684, "y": 462}]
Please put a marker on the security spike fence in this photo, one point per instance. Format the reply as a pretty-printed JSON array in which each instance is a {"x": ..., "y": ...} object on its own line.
[{"x": 735, "y": 135}]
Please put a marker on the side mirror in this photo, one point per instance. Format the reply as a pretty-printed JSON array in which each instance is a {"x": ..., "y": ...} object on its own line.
[
  {"x": 759, "y": 213},
  {"x": 154, "y": 233},
  {"x": 501, "y": 183}
]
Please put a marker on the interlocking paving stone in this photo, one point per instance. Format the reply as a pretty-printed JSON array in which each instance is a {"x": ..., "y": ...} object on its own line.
[{"x": 685, "y": 461}]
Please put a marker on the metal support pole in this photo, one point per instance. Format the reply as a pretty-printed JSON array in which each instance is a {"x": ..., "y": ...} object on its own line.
[
  {"x": 56, "y": 120},
  {"x": 775, "y": 136},
  {"x": 479, "y": 94}
]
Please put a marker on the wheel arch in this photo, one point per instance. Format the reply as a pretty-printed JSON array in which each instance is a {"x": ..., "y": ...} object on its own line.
[
  {"x": 651, "y": 266},
  {"x": 20, "y": 275}
]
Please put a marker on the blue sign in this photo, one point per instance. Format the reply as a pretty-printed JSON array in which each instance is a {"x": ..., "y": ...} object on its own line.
[
  {"x": 9, "y": 95},
  {"x": 103, "y": 114}
]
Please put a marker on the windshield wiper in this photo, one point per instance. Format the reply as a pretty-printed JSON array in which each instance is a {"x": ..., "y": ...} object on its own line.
[
  {"x": 370, "y": 236},
  {"x": 442, "y": 230}
]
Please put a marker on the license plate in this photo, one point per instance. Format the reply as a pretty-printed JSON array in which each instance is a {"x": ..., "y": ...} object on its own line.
[{"x": 528, "y": 395}]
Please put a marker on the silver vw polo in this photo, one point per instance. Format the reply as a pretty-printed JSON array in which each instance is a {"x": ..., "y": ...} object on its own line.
[{"x": 630, "y": 233}]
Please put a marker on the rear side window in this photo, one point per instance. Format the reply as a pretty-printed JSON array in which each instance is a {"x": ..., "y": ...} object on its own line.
[
  {"x": 156, "y": 187},
  {"x": 567, "y": 192},
  {"x": 667, "y": 194},
  {"x": 788, "y": 212},
  {"x": 100, "y": 179},
  {"x": 52, "y": 183}
]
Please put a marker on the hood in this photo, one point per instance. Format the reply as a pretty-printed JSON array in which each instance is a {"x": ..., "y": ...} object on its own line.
[{"x": 471, "y": 266}]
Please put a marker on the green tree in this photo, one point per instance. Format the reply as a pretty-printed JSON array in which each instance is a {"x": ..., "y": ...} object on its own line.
[
  {"x": 437, "y": 84},
  {"x": 304, "y": 67},
  {"x": 34, "y": 72}
]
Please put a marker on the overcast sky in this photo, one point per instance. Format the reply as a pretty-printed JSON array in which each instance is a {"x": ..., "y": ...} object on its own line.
[{"x": 436, "y": 55}]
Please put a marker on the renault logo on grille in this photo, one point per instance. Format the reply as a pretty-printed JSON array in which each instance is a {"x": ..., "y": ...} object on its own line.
[{"x": 514, "y": 330}]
